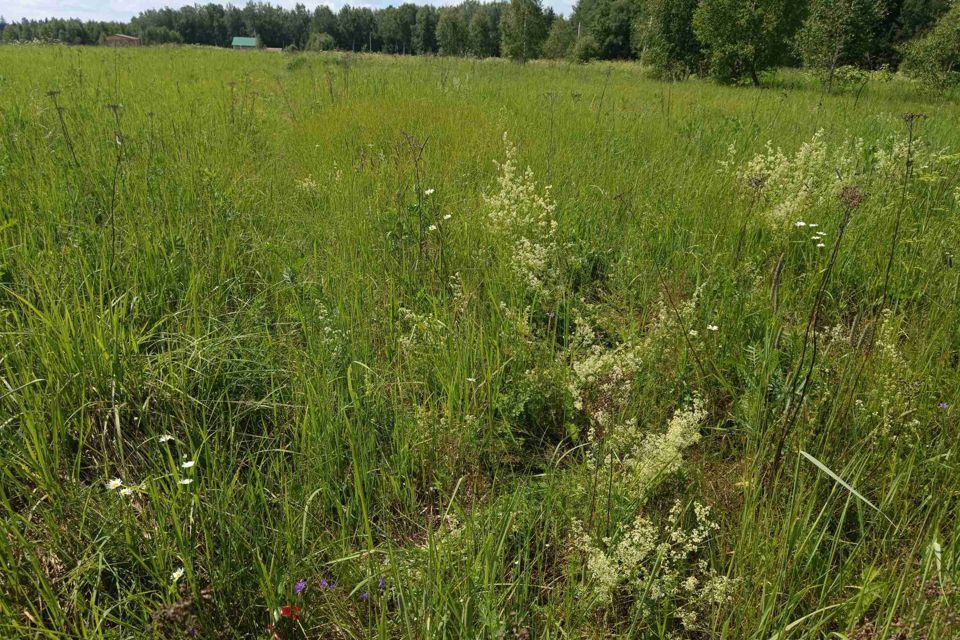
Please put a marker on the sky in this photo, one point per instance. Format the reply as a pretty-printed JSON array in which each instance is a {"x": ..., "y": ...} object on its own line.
[{"x": 123, "y": 10}]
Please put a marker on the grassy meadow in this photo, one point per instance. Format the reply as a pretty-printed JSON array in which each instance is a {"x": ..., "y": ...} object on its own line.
[{"x": 333, "y": 346}]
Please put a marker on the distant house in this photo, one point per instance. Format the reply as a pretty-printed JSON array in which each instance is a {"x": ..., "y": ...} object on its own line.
[
  {"x": 121, "y": 40},
  {"x": 240, "y": 42}
]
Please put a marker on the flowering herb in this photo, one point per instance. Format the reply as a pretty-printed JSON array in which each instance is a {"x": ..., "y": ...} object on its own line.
[{"x": 290, "y": 611}]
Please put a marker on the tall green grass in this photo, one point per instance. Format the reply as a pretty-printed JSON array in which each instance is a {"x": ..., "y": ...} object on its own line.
[{"x": 247, "y": 262}]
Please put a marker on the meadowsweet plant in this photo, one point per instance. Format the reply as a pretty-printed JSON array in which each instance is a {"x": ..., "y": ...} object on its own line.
[
  {"x": 524, "y": 215},
  {"x": 655, "y": 570},
  {"x": 793, "y": 188}
]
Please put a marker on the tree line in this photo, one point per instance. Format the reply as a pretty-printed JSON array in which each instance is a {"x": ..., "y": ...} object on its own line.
[{"x": 732, "y": 40}]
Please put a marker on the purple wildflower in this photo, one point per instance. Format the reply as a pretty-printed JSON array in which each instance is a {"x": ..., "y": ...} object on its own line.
[
  {"x": 381, "y": 583},
  {"x": 300, "y": 586},
  {"x": 324, "y": 584},
  {"x": 193, "y": 632},
  {"x": 943, "y": 405},
  {"x": 364, "y": 596}
]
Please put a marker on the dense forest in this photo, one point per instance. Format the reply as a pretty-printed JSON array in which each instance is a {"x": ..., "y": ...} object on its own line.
[{"x": 730, "y": 39}]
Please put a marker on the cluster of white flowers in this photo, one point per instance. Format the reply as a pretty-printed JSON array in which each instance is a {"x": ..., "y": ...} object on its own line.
[
  {"x": 116, "y": 484},
  {"x": 420, "y": 332},
  {"x": 895, "y": 388},
  {"x": 308, "y": 185},
  {"x": 786, "y": 186},
  {"x": 461, "y": 299},
  {"x": 660, "y": 454},
  {"x": 647, "y": 564},
  {"x": 671, "y": 319},
  {"x": 524, "y": 214},
  {"x": 334, "y": 340}
]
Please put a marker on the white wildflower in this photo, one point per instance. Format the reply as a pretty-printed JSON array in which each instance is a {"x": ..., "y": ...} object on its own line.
[
  {"x": 165, "y": 438},
  {"x": 185, "y": 481},
  {"x": 114, "y": 484},
  {"x": 187, "y": 464},
  {"x": 523, "y": 214},
  {"x": 177, "y": 574}
]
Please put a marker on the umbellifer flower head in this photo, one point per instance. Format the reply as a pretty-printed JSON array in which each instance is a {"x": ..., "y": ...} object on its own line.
[{"x": 851, "y": 196}]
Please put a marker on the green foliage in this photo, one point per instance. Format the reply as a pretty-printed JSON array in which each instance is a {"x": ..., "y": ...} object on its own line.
[
  {"x": 935, "y": 57},
  {"x": 585, "y": 49},
  {"x": 523, "y": 30},
  {"x": 560, "y": 39},
  {"x": 425, "y": 31},
  {"x": 160, "y": 35},
  {"x": 609, "y": 23},
  {"x": 484, "y": 31},
  {"x": 453, "y": 36},
  {"x": 663, "y": 37},
  {"x": 744, "y": 39},
  {"x": 839, "y": 32},
  {"x": 320, "y": 42}
]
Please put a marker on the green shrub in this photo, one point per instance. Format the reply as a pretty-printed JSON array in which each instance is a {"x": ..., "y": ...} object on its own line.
[
  {"x": 320, "y": 42},
  {"x": 585, "y": 49},
  {"x": 934, "y": 59}
]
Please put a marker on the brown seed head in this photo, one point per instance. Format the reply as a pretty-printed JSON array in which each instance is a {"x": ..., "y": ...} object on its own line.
[{"x": 851, "y": 196}]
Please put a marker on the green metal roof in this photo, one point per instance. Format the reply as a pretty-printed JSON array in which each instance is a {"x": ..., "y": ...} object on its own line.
[{"x": 239, "y": 41}]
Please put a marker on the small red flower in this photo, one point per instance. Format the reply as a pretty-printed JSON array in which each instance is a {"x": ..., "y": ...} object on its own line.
[{"x": 290, "y": 611}]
